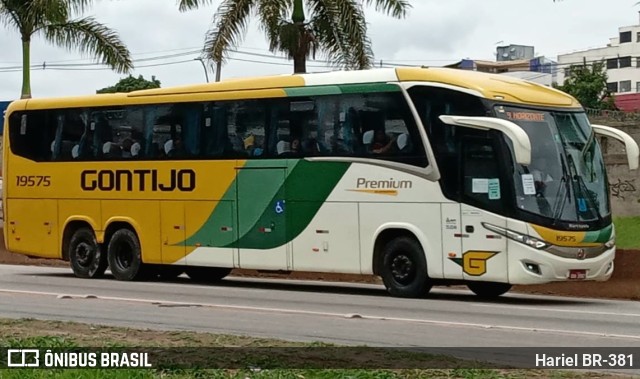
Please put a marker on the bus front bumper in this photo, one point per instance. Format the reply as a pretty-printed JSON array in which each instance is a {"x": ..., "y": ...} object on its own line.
[{"x": 531, "y": 266}]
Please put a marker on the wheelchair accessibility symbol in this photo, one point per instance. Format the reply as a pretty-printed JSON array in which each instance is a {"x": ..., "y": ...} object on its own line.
[{"x": 279, "y": 206}]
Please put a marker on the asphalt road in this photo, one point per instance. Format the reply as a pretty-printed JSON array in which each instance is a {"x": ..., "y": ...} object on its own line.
[{"x": 331, "y": 312}]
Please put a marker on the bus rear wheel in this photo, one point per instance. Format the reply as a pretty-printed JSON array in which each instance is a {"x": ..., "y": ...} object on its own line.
[
  {"x": 85, "y": 254},
  {"x": 125, "y": 256},
  {"x": 489, "y": 290},
  {"x": 207, "y": 274},
  {"x": 404, "y": 268}
]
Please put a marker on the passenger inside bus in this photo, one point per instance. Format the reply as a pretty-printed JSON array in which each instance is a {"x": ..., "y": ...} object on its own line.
[
  {"x": 295, "y": 146},
  {"x": 541, "y": 178},
  {"x": 312, "y": 147},
  {"x": 382, "y": 143}
]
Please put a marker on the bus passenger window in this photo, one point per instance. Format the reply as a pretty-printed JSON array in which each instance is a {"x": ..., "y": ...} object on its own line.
[
  {"x": 31, "y": 134},
  {"x": 247, "y": 122},
  {"x": 190, "y": 117},
  {"x": 70, "y": 127},
  {"x": 215, "y": 141},
  {"x": 380, "y": 126},
  {"x": 164, "y": 130}
]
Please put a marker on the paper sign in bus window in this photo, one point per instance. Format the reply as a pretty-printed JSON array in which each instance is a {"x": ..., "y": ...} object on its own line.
[
  {"x": 528, "y": 185},
  {"x": 480, "y": 185},
  {"x": 494, "y": 189},
  {"x": 23, "y": 125}
]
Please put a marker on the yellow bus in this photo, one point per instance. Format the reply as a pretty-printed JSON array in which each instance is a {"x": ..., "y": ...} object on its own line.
[{"x": 422, "y": 176}]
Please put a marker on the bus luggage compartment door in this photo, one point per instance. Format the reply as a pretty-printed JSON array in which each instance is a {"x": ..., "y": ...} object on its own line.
[
  {"x": 262, "y": 224},
  {"x": 33, "y": 228}
]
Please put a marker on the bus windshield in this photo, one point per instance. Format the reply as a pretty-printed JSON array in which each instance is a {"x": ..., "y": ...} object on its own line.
[{"x": 566, "y": 179}]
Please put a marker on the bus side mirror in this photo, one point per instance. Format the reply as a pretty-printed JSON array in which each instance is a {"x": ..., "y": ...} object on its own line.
[
  {"x": 633, "y": 152},
  {"x": 519, "y": 138}
]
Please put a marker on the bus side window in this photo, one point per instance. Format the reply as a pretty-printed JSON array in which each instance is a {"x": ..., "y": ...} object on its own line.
[
  {"x": 31, "y": 134},
  {"x": 162, "y": 127},
  {"x": 328, "y": 125},
  {"x": 215, "y": 141},
  {"x": 132, "y": 139},
  {"x": 294, "y": 128},
  {"x": 380, "y": 126},
  {"x": 188, "y": 120},
  {"x": 70, "y": 128},
  {"x": 248, "y": 121}
]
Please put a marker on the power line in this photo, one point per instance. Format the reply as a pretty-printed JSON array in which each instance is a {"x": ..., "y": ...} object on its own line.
[{"x": 102, "y": 66}]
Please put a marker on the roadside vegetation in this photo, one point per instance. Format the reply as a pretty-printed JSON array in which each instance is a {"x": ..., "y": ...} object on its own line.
[
  {"x": 627, "y": 232},
  {"x": 52, "y": 334}
]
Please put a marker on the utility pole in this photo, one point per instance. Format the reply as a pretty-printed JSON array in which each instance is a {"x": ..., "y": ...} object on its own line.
[{"x": 206, "y": 75}]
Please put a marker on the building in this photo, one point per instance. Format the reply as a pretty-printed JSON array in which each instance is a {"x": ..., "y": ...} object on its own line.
[
  {"x": 622, "y": 62},
  {"x": 3, "y": 107},
  {"x": 517, "y": 61},
  {"x": 515, "y": 53}
]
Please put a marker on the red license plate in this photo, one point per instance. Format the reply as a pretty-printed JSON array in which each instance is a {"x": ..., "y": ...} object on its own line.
[{"x": 577, "y": 274}]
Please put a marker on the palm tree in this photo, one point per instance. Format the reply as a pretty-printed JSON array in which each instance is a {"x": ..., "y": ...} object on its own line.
[
  {"x": 53, "y": 20},
  {"x": 336, "y": 28}
]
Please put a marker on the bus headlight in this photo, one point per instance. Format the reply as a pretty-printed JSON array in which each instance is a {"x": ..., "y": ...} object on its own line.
[
  {"x": 518, "y": 237},
  {"x": 612, "y": 241}
]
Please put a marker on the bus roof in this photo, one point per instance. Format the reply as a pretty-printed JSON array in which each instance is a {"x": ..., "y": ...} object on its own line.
[{"x": 489, "y": 86}]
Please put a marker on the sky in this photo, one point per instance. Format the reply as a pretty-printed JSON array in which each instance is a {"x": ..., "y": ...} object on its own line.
[{"x": 435, "y": 33}]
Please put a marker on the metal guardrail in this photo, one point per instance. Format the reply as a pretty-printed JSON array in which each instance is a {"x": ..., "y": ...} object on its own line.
[{"x": 614, "y": 115}]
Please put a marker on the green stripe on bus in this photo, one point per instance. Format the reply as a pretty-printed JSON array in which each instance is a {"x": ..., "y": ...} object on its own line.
[
  {"x": 369, "y": 88},
  {"x": 602, "y": 235},
  {"x": 278, "y": 200},
  {"x": 255, "y": 199},
  {"x": 312, "y": 91},
  {"x": 306, "y": 188},
  {"x": 341, "y": 89}
]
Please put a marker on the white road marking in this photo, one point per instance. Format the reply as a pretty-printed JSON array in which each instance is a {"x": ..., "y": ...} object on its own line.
[
  {"x": 324, "y": 314},
  {"x": 559, "y": 310}
]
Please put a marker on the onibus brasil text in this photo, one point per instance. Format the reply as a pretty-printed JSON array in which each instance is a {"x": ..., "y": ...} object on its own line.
[{"x": 50, "y": 359}]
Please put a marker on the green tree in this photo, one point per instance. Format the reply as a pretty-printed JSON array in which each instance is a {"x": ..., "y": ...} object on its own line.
[
  {"x": 53, "y": 19},
  {"x": 588, "y": 84},
  {"x": 335, "y": 28},
  {"x": 130, "y": 84}
]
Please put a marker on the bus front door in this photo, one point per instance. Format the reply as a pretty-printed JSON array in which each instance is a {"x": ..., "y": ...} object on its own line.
[
  {"x": 484, "y": 253},
  {"x": 262, "y": 233}
]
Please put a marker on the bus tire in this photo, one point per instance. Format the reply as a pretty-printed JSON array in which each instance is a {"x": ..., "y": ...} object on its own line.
[
  {"x": 125, "y": 256},
  {"x": 404, "y": 268},
  {"x": 489, "y": 290},
  {"x": 207, "y": 274},
  {"x": 85, "y": 254}
]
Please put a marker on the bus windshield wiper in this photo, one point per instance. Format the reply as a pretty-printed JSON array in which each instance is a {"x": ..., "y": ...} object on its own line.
[
  {"x": 584, "y": 191},
  {"x": 560, "y": 202}
]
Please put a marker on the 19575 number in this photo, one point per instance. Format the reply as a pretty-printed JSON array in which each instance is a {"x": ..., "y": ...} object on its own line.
[{"x": 33, "y": 181}]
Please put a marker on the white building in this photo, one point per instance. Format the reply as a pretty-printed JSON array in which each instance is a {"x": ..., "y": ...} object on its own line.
[{"x": 621, "y": 57}]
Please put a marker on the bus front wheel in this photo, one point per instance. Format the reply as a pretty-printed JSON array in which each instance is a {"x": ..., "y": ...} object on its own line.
[
  {"x": 125, "y": 255},
  {"x": 489, "y": 290},
  {"x": 404, "y": 268},
  {"x": 85, "y": 254}
]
